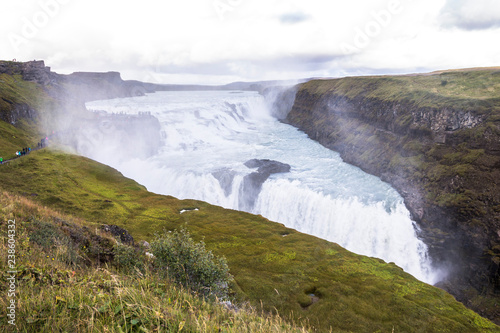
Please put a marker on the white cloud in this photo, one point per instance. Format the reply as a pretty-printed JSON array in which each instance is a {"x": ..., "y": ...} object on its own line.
[
  {"x": 471, "y": 14},
  {"x": 192, "y": 41}
]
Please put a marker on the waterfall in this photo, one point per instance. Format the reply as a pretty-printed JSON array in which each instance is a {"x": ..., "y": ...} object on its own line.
[{"x": 211, "y": 139}]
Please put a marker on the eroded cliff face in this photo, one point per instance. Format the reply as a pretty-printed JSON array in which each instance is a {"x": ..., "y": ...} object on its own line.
[
  {"x": 35, "y": 71},
  {"x": 78, "y": 86},
  {"x": 440, "y": 151},
  {"x": 56, "y": 105}
]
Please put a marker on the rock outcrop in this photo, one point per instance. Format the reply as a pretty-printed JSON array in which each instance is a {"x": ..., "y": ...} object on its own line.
[
  {"x": 122, "y": 234},
  {"x": 439, "y": 146},
  {"x": 225, "y": 177},
  {"x": 35, "y": 71},
  {"x": 18, "y": 112},
  {"x": 79, "y": 86},
  {"x": 252, "y": 183},
  {"x": 90, "y": 86},
  {"x": 56, "y": 103}
]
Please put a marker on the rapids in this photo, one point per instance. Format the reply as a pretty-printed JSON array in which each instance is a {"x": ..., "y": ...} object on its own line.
[{"x": 208, "y": 137}]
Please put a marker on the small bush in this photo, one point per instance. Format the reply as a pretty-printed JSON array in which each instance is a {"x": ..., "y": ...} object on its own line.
[
  {"x": 128, "y": 258},
  {"x": 304, "y": 300},
  {"x": 53, "y": 240},
  {"x": 45, "y": 234},
  {"x": 180, "y": 258}
]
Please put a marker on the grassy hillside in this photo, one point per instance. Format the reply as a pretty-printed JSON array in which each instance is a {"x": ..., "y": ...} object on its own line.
[
  {"x": 17, "y": 139},
  {"x": 270, "y": 263},
  {"x": 25, "y": 104},
  {"x": 60, "y": 288},
  {"x": 458, "y": 88},
  {"x": 16, "y": 92}
]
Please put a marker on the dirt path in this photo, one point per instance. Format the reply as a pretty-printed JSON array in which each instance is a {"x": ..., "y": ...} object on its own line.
[{"x": 17, "y": 157}]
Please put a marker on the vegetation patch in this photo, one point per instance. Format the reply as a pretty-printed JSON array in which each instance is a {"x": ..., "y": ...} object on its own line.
[{"x": 180, "y": 258}]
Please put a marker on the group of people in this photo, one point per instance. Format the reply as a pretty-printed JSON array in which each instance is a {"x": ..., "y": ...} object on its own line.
[
  {"x": 23, "y": 152},
  {"x": 42, "y": 144},
  {"x": 19, "y": 153}
]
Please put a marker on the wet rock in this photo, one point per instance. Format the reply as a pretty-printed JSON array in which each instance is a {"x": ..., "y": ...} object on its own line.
[
  {"x": 225, "y": 178},
  {"x": 252, "y": 183},
  {"x": 267, "y": 166},
  {"x": 116, "y": 231}
]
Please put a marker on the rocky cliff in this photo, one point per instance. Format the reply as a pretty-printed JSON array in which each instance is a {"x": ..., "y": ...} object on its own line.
[
  {"x": 436, "y": 139},
  {"x": 55, "y": 103},
  {"x": 81, "y": 86}
]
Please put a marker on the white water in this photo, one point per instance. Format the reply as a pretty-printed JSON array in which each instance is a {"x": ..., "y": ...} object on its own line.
[{"x": 210, "y": 132}]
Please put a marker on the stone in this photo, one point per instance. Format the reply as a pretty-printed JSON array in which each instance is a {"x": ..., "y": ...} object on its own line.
[
  {"x": 252, "y": 183},
  {"x": 117, "y": 231}
]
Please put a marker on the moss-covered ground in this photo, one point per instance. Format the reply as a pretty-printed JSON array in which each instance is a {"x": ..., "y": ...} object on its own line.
[
  {"x": 457, "y": 88},
  {"x": 68, "y": 280}
]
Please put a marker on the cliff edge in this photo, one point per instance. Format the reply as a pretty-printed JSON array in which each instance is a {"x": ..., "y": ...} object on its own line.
[
  {"x": 44, "y": 103},
  {"x": 436, "y": 139}
]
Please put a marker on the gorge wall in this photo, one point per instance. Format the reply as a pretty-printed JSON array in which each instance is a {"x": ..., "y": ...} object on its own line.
[
  {"x": 55, "y": 104},
  {"x": 436, "y": 139},
  {"x": 73, "y": 89}
]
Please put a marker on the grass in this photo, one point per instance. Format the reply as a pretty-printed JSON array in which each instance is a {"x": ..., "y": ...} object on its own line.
[
  {"x": 18, "y": 139},
  {"x": 15, "y": 92},
  {"x": 355, "y": 293},
  {"x": 477, "y": 89},
  {"x": 54, "y": 295}
]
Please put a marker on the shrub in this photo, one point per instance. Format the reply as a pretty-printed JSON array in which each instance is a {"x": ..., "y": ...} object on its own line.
[
  {"x": 45, "y": 234},
  {"x": 53, "y": 240},
  {"x": 128, "y": 258},
  {"x": 183, "y": 260}
]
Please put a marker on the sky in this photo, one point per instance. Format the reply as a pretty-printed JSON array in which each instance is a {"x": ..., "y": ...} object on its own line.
[{"x": 222, "y": 41}]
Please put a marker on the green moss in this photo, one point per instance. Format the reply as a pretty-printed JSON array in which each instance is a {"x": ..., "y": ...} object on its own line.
[
  {"x": 279, "y": 258},
  {"x": 414, "y": 147},
  {"x": 412, "y": 165},
  {"x": 404, "y": 121}
]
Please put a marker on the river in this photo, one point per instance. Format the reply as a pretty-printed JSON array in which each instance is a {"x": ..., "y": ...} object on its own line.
[{"x": 208, "y": 137}]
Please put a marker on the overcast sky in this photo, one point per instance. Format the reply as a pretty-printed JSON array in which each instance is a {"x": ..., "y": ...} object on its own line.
[{"x": 221, "y": 41}]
